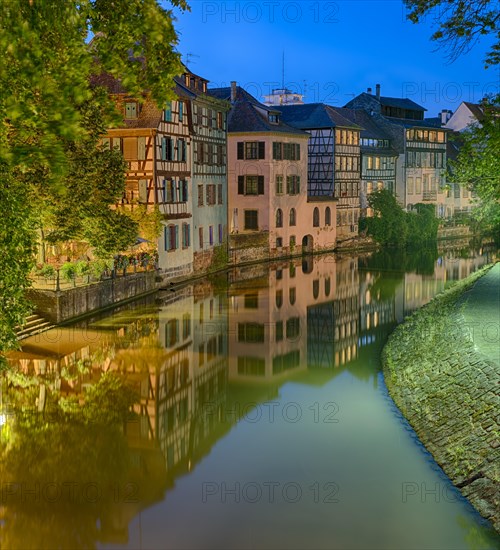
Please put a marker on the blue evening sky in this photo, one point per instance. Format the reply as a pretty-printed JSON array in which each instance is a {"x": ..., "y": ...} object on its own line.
[{"x": 333, "y": 51}]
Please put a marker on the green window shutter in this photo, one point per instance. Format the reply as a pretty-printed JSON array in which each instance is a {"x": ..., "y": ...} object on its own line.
[
  {"x": 297, "y": 153},
  {"x": 262, "y": 149},
  {"x": 166, "y": 237},
  {"x": 241, "y": 185},
  {"x": 241, "y": 152},
  {"x": 168, "y": 112},
  {"x": 163, "y": 148},
  {"x": 176, "y": 236},
  {"x": 181, "y": 110},
  {"x": 260, "y": 184}
]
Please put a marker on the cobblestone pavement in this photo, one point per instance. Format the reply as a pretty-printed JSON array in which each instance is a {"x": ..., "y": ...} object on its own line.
[
  {"x": 481, "y": 313},
  {"x": 445, "y": 379}
]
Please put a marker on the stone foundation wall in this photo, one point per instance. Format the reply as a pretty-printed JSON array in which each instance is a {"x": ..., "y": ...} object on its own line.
[
  {"x": 63, "y": 305},
  {"x": 450, "y": 395}
]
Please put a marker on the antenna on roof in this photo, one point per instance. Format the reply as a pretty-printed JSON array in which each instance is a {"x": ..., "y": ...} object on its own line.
[
  {"x": 283, "y": 72},
  {"x": 189, "y": 56}
]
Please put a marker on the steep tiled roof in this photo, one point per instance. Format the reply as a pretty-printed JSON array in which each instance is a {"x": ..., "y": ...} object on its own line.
[
  {"x": 401, "y": 102},
  {"x": 453, "y": 145},
  {"x": 370, "y": 129},
  {"x": 247, "y": 114},
  {"x": 409, "y": 123},
  {"x": 315, "y": 115}
]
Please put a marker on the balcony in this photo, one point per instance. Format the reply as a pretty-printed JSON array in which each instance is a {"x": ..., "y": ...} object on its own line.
[{"x": 174, "y": 210}]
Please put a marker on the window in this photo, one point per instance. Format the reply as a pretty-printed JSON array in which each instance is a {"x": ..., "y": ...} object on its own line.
[
  {"x": 279, "y": 242},
  {"x": 292, "y": 242},
  {"x": 418, "y": 185},
  {"x": 292, "y": 295},
  {"x": 252, "y": 301},
  {"x": 200, "y": 195},
  {"x": 219, "y": 194},
  {"x": 167, "y": 113},
  {"x": 251, "y": 366},
  {"x": 183, "y": 190},
  {"x": 273, "y": 118},
  {"x": 316, "y": 289},
  {"x": 171, "y": 237},
  {"x": 251, "y": 150},
  {"x": 186, "y": 326},
  {"x": 131, "y": 110},
  {"x": 221, "y": 233},
  {"x": 293, "y": 217},
  {"x": 328, "y": 216},
  {"x": 277, "y": 150},
  {"x": 279, "y": 331},
  {"x": 172, "y": 332},
  {"x": 250, "y": 333},
  {"x": 380, "y": 185},
  {"x": 316, "y": 217},
  {"x": 250, "y": 185},
  {"x": 251, "y": 219},
  {"x": 167, "y": 148},
  {"x": 181, "y": 110},
  {"x": 279, "y": 218},
  {"x": 279, "y": 298},
  {"x": 410, "y": 186},
  {"x": 186, "y": 235},
  {"x": 293, "y": 185},
  {"x": 220, "y": 121},
  {"x": 211, "y": 235},
  {"x": 369, "y": 187},
  {"x": 211, "y": 194},
  {"x": 200, "y": 236},
  {"x": 293, "y": 328},
  {"x": 279, "y": 184}
]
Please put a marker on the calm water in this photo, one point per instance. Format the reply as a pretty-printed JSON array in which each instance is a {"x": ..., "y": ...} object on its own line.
[{"x": 260, "y": 418}]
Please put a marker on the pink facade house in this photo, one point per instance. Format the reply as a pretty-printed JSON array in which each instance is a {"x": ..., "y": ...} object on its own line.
[{"x": 269, "y": 214}]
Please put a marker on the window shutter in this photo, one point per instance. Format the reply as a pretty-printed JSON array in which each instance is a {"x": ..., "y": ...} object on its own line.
[
  {"x": 260, "y": 185},
  {"x": 240, "y": 154},
  {"x": 297, "y": 154},
  {"x": 163, "y": 148},
  {"x": 185, "y": 191},
  {"x": 188, "y": 235},
  {"x": 241, "y": 185},
  {"x": 168, "y": 111},
  {"x": 181, "y": 110},
  {"x": 298, "y": 185},
  {"x": 141, "y": 148},
  {"x": 262, "y": 149},
  {"x": 166, "y": 237},
  {"x": 176, "y": 236}
]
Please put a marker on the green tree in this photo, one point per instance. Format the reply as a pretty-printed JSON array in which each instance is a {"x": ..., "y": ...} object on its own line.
[
  {"x": 462, "y": 23},
  {"x": 51, "y": 120},
  {"x": 388, "y": 225},
  {"x": 478, "y": 166}
]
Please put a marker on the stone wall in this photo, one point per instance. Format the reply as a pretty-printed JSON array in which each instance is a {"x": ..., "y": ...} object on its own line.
[
  {"x": 63, "y": 305},
  {"x": 450, "y": 395}
]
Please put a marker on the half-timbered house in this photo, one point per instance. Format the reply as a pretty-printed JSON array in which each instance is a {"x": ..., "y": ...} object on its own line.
[{"x": 334, "y": 159}]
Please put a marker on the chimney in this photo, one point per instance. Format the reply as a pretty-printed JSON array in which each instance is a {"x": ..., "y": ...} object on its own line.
[
  {"x": 369, "y": 90},
  {"x": 233, "y": 91},
  {"x": 377, "y": 91},
  {"x": 445, "y": 116}
]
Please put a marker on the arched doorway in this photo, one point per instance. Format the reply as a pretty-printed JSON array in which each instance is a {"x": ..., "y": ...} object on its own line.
[{"x": 307, "y": 244}]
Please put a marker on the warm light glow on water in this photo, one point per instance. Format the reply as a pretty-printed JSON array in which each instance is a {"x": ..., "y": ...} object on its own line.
[{"x": 261, "y": 419}]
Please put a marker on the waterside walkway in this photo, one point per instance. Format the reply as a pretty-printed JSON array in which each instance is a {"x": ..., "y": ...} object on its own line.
[{"x": 442, "y": 368}]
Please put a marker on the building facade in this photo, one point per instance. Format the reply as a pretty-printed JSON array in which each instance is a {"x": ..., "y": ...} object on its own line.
[
  {"x": 334, "y": 160},
  {"x": 269, "y": 208}
]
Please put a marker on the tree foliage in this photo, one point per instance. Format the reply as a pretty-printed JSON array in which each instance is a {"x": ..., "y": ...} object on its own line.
[
  {"x": 392, "y": 226},
  {"x": 478, "y": 166},
  {"x": 51, "y": 119},
  {"x": 462, "y": 23}
]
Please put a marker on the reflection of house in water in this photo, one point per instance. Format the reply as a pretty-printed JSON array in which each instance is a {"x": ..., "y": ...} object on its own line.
[
  {"x": 332, "y": 325},
  {"x": 304, "y": 316},
  {"x": 419, "y": 289}
]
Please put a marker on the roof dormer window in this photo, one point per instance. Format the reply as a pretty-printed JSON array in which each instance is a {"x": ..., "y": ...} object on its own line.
[
  {"x": 130, "y": 109},
  {"x": 273, "y": 118}
]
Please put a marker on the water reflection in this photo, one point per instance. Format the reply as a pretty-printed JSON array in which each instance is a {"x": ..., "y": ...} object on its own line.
[{"x": 99, "y": 422}]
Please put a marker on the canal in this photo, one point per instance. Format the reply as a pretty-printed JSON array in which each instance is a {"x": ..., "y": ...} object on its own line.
[{"x": 247, "y": 410}]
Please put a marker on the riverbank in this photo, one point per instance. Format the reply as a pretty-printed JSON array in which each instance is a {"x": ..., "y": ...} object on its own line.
[{"x": 446, "y": 383}]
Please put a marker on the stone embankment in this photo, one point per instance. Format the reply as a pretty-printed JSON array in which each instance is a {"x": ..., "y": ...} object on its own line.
[{"x": 441, "y": 368}]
